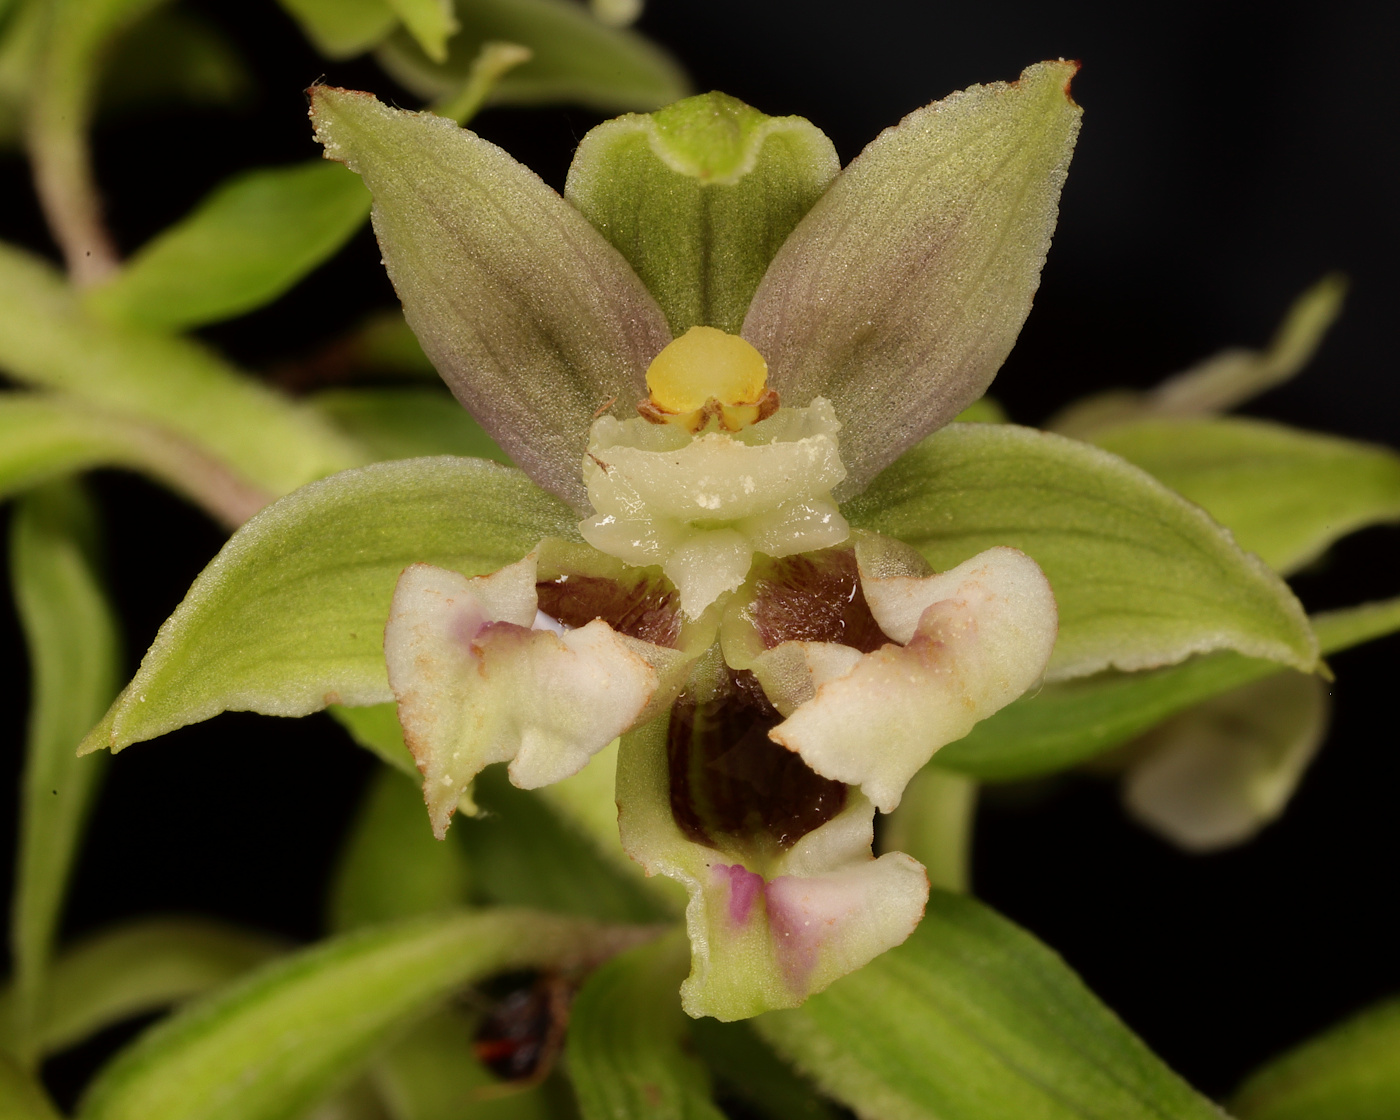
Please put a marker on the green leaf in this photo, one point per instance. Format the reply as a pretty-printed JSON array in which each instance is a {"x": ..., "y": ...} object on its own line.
[
  {"x": 933, "y": 823},
  {"x": 430, "y": 22},
  {"x": 407, "y": 423},
  {"x": 698, "y": 197},
  {"x": 1285, "y": 494},
  {"x": 1142, "y": 577},
  {"x": 1064, "y": 724},
  {"x": 289, "y": 617},
  {"x": 1350, "y": 1072},
  {"x": 137, "y": 968},
  {"x": 271, "y": 1045},
  {"x": 749, "y": 1071},
  {"x": 433, "y": 1074},
  {"x": 902, "y": 291},
  {"x": 49, "y": 435},
  {"x": 254, "y": 237},
  {"x": 48, "y": 339},
  {"x": 1222, "y": 381},
  {"x": 391, "y": 867},
  {"x": 21, "y": 1096},
  {"x": 499, "y": 274},
  {"x": 970, "y": 1018},
  {"x": 628, "y": 1040},
  {"x": 574, "y": 58},
  {"x": 74, "y": 654},
  {"x": 522, "y": 853},
  {"x": 343, "y": 28}
]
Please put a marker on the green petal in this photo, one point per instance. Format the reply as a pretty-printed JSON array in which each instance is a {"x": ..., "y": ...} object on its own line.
[
  {"x": 902, "y": 291},
  {"x": 698, "y": 197},
  {"x": 253, "y": 238},
  {"x": 274, "y": 1043},
  {"x": 1142, "y": 577},
  {"x": 1284, "y": 493},
  {"x": 575, "y": 58},
  {"x": 74, "y": 654},
  {"x": 630, "y": 1056},
  {"x": 47, "y": 338},
  {"x": 1064, "y": 724},
  {"x": 1215, "y": 775},
  {"x": 1350, "y": 1072},
  {"x": 535, "y": 322},
  {"x": 290, "y": 615},
  {"x": 972, "y": 1017}
]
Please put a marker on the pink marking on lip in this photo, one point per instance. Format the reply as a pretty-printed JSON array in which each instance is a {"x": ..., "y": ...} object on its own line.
[{"x": 744, "y": 887}]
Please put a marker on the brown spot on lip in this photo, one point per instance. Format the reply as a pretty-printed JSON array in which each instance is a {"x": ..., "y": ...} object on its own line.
[
  {"x": 647, "y": 608},
  {"x": 730, "y": 781},
  {"x": 815, "y": 597}
]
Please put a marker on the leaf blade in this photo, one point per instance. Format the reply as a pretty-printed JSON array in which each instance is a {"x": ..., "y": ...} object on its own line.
[
  {"x": 272, "y": 1044},
  {"x": 973, "y": 1017},
  {"x": 1285, "y": 494},
  {"x": 289, "y": 616},
  {"x": 1142, "y": 578},
  {"x": 251, "y": 239},
  {"x": 627, "y": 1055},
  {"x": 74, "y": 653}
]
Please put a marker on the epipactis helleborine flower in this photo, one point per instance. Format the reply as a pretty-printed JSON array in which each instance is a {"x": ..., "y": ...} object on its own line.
[{"x": 715, "y": 340}]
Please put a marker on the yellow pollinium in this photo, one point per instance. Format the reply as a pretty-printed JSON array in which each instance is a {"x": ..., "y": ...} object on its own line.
[{"x": 708, "y": 376}]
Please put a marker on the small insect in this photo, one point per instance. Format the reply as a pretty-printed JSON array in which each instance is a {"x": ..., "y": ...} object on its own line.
[{"x": 522, "y": 1035}]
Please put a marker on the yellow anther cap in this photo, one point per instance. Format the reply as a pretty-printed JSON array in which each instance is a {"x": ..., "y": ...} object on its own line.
[{"x": 706, "y": 364}]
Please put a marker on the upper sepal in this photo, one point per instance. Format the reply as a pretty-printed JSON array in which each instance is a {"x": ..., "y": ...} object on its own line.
[
  {"x": 535, "y": 322},
  {"x": 902, "y": 291}
]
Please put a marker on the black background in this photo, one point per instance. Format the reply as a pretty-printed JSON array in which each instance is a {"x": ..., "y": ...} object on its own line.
[{"x": 1231, "y": 154}]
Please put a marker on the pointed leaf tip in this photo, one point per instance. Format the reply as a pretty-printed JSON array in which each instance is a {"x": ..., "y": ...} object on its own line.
[
  {"x": 498, "y": 274},
  {"x": 902, "y": 291}
]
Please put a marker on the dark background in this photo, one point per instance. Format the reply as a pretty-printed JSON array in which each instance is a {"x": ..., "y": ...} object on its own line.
[{"x": 1231, "y": 154}]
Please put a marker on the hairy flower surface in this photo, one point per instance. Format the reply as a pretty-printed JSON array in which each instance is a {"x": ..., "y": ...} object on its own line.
[{"x": 716, "y": 339}]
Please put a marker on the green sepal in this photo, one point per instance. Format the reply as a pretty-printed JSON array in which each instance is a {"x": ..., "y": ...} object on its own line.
[
  {"x": 1142, "y": 577},
  {"x": 629, "y": 1049},
  {"x": 74, "y": 654},
  {"x": 289, "y": 617},
  {"x": 136, "y": 968},
  {"x": 933, "y": 823},
  {"x": 901, "y": 292},
  {"x": 1349, "y": 1072},
  {"x": 970, "y": 1018},
  {"x": 390, "y": 866},
  {"x": 1070, "y": 722},
  {"x": 431, "y": 23},
  {"x": 1285, "y": 494},
  {"x": 274, "y": 1043},
  {"x": 574, "y": 58},
  {"x": 699, "y": 197},
  {"x": 498, "y": 274},
  {"x": 250, "y": 240}
]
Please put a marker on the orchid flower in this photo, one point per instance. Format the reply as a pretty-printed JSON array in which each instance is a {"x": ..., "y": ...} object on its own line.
[{"x": 709, "y": 341}]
